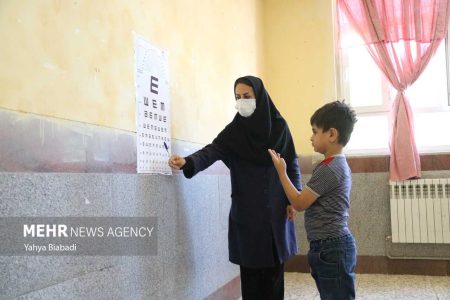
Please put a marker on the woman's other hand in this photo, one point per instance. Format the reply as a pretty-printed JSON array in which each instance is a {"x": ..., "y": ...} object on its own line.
[
  {"x": 176, "y": 162},
  {"x": 291, "y": 212}
]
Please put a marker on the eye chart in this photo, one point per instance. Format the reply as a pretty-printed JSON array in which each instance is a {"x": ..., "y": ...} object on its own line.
[{"x": 152, "y": 108}]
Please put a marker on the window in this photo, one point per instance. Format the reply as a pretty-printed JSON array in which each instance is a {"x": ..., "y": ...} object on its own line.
[{"x": 363, "y": 85}]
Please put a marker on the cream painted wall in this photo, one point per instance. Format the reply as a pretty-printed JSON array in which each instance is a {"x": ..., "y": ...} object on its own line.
[
  {"x": 299, "y": 61},
  {"x": 74, "y": 59}
]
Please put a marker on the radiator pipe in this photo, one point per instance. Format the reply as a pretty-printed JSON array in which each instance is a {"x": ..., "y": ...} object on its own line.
[{"x": 388, "y": 255}]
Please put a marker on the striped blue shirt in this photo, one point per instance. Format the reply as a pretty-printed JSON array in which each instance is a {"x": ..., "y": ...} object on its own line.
[{"x": 327, "y": 217}]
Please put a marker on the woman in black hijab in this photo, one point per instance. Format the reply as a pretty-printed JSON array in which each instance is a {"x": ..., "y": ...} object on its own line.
[{"x": 261, "y": 234}]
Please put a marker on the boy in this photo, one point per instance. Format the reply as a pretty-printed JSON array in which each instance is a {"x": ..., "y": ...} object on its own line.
[{"x": 326, "y": 199}]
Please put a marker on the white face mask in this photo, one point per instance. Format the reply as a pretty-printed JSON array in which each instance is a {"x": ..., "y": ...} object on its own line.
[{"x": 246, "y": 107}]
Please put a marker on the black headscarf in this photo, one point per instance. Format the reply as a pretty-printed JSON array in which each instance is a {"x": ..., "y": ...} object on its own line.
[{"x": 249, "y": 138}]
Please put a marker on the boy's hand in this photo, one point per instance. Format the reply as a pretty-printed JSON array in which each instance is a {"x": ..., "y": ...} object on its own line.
[
  {"x": 278, "y": 161},
  {"x": 176, "y": 162},
  {"x": 291, "y": 212}
]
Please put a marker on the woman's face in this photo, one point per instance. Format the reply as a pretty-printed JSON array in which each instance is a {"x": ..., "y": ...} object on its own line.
[{"x": 243, "y": 91}]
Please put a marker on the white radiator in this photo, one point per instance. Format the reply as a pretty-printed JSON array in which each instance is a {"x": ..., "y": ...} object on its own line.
[{"x": 420, "y": 211}]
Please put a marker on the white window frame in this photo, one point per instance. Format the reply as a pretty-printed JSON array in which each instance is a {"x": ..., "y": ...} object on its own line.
[{"x": 384, "y": 108}]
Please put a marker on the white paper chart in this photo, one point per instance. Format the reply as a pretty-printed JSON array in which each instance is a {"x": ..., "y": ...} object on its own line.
[{"x": 152, "y": 108}]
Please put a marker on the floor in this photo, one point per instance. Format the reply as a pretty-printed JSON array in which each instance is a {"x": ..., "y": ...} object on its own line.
[{"x": 375, "y": 286}]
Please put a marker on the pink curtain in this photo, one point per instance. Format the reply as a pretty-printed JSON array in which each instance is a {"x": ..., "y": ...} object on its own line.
[{"x": 401, "y": 36}]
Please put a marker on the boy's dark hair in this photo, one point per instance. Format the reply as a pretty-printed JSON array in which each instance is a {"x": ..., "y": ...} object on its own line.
[{"x": 336, "y": 115}]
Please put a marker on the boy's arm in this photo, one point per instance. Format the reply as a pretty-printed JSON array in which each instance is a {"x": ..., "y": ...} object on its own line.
[
  {"x": 293, "y": 172},
  {"x": 300, "y": 200}
]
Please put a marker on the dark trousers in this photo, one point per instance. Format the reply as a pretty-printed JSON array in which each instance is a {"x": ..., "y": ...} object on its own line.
[
  {"x": 262, "y": 284},
  {"x": 332, "y": 265}
]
